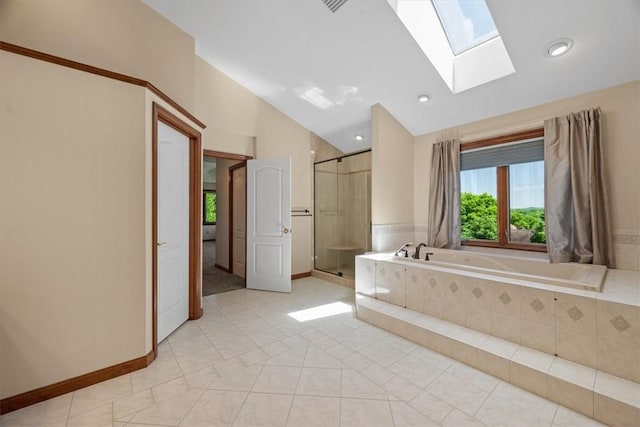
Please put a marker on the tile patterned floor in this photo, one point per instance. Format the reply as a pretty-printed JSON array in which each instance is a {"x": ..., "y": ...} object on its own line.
[{"x": 247, "y": 362}]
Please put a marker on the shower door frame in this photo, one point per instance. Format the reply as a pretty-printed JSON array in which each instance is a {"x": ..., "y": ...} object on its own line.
[{"x": 315, "y": 216}]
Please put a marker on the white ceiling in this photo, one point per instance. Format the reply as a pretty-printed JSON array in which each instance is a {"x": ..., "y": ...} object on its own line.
[{"x": 279, "y": 49}]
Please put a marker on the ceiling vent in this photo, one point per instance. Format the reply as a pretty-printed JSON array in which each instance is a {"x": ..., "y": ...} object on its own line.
[{"x": 334, "y": 5}]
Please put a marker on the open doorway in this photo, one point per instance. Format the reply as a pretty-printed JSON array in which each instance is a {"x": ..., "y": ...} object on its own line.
[{"x": 224, "y": 219}]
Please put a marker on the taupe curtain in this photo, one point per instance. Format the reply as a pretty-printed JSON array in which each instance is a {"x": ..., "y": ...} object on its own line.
[
  {"x": 444, "y": 197},
  {"x": 576, "y": 200}
]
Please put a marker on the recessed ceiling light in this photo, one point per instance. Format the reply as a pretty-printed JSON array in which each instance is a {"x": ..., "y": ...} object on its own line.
[
  {"x": 358, "y": 137},
  {"x": 558, "y": 47},
  {"x": 423, "y": 97}
]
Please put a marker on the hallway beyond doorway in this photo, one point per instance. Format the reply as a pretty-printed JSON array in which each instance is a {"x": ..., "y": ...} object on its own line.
[{"x": 215, "y": 280}]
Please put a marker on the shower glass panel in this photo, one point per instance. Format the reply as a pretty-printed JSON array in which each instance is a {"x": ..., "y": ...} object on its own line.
[{"x": 342, "y": 205}]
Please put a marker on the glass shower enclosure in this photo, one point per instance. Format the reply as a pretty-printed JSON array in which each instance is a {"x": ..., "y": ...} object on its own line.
[{"x": 342, "y": 212}]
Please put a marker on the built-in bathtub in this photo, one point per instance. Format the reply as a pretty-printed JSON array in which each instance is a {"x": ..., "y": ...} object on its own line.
[{"x": 579, "y": 276}]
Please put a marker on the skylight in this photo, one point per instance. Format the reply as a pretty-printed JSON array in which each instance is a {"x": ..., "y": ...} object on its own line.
[
  {"x": 467, "y": 24},
  {"x": 469, "y": 53}
]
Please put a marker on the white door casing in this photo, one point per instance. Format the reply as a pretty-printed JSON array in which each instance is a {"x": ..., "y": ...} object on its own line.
[
  {"x": 269, "y": 224},
  {"x": 173, "y": 230},
  {"x": 238, "y": 234}
]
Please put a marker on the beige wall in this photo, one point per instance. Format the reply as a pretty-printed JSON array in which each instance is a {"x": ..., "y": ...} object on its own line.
[
  {"x": 229, "y": 110},
  {"x": 621, "y": 108},
  {"x": 73, "y": 250},
  {"x": 392, "y": 169},
  {"x": 120, "y": 35}
]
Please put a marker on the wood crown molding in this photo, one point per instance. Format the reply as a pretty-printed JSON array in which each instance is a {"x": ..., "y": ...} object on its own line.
[
  {"x": 20, "y": 50},
  {"x": 72, "y": 384}
]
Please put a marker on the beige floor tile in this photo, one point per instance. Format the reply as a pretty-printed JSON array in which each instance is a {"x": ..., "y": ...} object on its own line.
[
  {"x": 52, "y": 412},
  {"x": 262, "y": 409},
  {"x": 100, "y": 394},
  {"x": 458, "y": 393},
  {"x": 127, "y": 406},
  {"x": 431, "y": 406},
  {"x": 499, "y": 412},
  {"x": 235, "y": 347},
  {"x": 277, "y": 379},
  {"x": 356, "y": 385},
  {"x": 434, "y": 358},
  {"x": 99, "y": 417},
  {"x": 406, "y": 416},
  {"x": 229, "y": 366},
  {"x": 266, "y": 336},
  {"x": 215, "y": 408},
  {"x": 402, "y": 388},
  {"x": 201, "y": 378},
  {"x": 314, "y": 411},
  {"x": 357, "y": 362},
  {"x": 170, "y": 389},
  {"x": 170, "y": 412},
  {"x": 543, "y": 408},
  {"x": 317, "y": 358},
  {"x": 158, "y": 372},
  {"x": 319, "y": 382},
  {"x": 459, "y": 419},
  {"x": 186, "y": 331},
  {"x": 416, "y": 370},
  {"x": 378, "y": 374},
  {"x": 189, "y": 345},
  {"x": 473, "y": 376},
  {"x": 294, "y": 357},
  {"x": 365, "y": 413},
  {"x": 237, "y": 381}
]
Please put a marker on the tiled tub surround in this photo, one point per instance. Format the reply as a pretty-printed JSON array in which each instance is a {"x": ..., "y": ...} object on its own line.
[{"x": 514, "y": 329}]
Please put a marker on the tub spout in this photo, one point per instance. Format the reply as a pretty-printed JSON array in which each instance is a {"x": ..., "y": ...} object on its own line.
[
  {"x": 404, "y": 249},
  {"x": 416, "y": 254}
]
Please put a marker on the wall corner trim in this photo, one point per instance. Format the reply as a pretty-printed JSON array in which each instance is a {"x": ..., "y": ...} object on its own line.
[
  {"x": 41, "y": 56},
  {"x": 72, "y": 384}
]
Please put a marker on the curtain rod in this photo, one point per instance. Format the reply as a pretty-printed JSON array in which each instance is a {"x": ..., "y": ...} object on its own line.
[{"x": 493, "y": 133}]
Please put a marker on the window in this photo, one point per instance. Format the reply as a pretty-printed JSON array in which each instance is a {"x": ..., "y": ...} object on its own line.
[
  {"x": 209, "y": 207},
  {"x": 502, "y": 191}
]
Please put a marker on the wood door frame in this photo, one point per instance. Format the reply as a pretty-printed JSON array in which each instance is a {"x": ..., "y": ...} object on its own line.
[
  {"x": 242, "y": 164},
  {"x": 161, "y": 114},
  {"x": 243, "y": 159}
]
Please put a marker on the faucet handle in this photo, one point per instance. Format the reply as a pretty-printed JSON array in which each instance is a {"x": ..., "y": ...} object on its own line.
[{"x": 426, "y": 257}]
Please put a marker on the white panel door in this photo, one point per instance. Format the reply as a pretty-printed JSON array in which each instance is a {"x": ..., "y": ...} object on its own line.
[
  {"x": 239, "y": 231},
  {"x": 173, "y": 230},
  {"x": 269, "y": 224}
]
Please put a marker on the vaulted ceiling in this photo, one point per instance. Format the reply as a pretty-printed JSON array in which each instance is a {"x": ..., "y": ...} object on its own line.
[{"x": 292, "y": 52}]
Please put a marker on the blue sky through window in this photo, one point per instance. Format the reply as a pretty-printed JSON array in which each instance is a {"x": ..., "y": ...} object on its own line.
[
  {"x": 467, "y": 23},
  {"x": 526, "y": 184}
]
